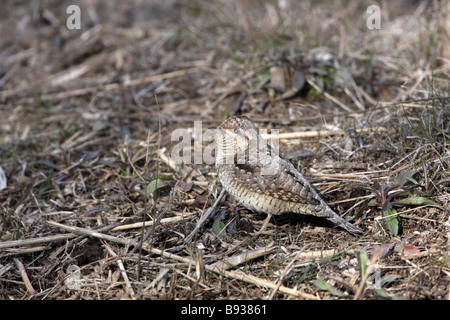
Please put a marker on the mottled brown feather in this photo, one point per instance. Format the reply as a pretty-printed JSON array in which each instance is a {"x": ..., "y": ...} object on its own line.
[{"x": 286, "y": 190}]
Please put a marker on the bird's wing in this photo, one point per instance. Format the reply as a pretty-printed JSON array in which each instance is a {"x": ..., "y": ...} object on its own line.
[
  {"x": 289, "y": 196},
  {"x": 285, "y": 185}
]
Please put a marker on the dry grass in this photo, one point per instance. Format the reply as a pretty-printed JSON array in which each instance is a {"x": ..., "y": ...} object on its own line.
[{"x": 83, "y": 114}]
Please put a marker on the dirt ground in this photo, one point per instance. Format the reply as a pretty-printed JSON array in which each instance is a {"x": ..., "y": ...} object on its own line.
[{"x": 88, "y": 118}]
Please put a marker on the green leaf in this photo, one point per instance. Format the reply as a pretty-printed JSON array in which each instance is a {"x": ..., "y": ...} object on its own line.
[
  {"x": 376, "y": 185},
  {"x": 218, "y": 227},
  {"x": 232, "y": 226},
  {"x": 140, "y": 153},
  {"x": 323, "y": 285},
  {"x": 156, "y": 184},
  {"x": 381, "y": 292},
  {"x": 153, "y": 185},
  {"x": 390, "y": 219},
  {"x": 99, "y": 125},
  {"x": 405, "y": 176},
  {"x": 263, "y": 79},
  {"x": 122, "y": 155},
  {"x": 361, "y": 258},
  {"x": 418, "y": 201}
]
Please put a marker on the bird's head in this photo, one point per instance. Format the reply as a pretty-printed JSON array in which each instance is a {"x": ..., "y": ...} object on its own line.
[{"x": 235, "y": 136}]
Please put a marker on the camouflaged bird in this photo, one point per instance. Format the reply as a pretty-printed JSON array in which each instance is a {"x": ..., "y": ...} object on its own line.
[{"x": 262, "y": 181}]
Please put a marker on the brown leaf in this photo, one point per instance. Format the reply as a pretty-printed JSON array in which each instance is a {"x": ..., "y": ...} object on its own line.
[
  {"x": 299, "y": 80},
  {"x": 186, "y": 186},
  {"x": 410, "y": 250},
  {"x": 277, "y": 78}
]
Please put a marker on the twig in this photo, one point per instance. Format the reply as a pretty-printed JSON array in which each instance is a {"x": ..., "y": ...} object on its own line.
[
  {"x": 385, "y": 103},
  {"x": 327, "y": 95},
  {"x": 319, "y": 133},
  {"x": 126, "y": 242},
  {"x": 159, "y": 277},
  {"x": 195, "y": 281},
  {"x": 122, "y": 269},
  {"x": 16, "y": 252},
  {"x": 231, "y": 274},
  {"x": 158, "y": 219},
  {"x": 283, "y": 274},
  {"x": 92, "y": 233},
  {"x": 205, "y": 216},
  {"x": 343, "y": 175},
  {"x": 149, "y": 223},
  {"x": 26, "y": 242},
  {"x": 353, "y": 199},
  {"x": 240, "y": 275},
  {"x": 76, "y": 71},
  {"x": 366, "y": 275},
  {"x": 56, "y": 237},
  {"x": 24, "y": 276},
  {"x": 241, "y": 258}
]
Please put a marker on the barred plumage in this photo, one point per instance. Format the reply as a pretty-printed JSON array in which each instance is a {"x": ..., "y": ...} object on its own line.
[{"x": 262, "y": 181}]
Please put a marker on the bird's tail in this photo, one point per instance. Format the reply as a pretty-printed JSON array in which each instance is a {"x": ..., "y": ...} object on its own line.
[{"x": 341, "y": 222}]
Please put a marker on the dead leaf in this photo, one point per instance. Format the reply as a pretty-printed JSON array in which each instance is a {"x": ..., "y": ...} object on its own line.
[
  {"x": 186, "y": 186},
  {"x": 2, "y": 179},
  {"x": 277, "y": 78},
  {"x": 410, "y": 250}
]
